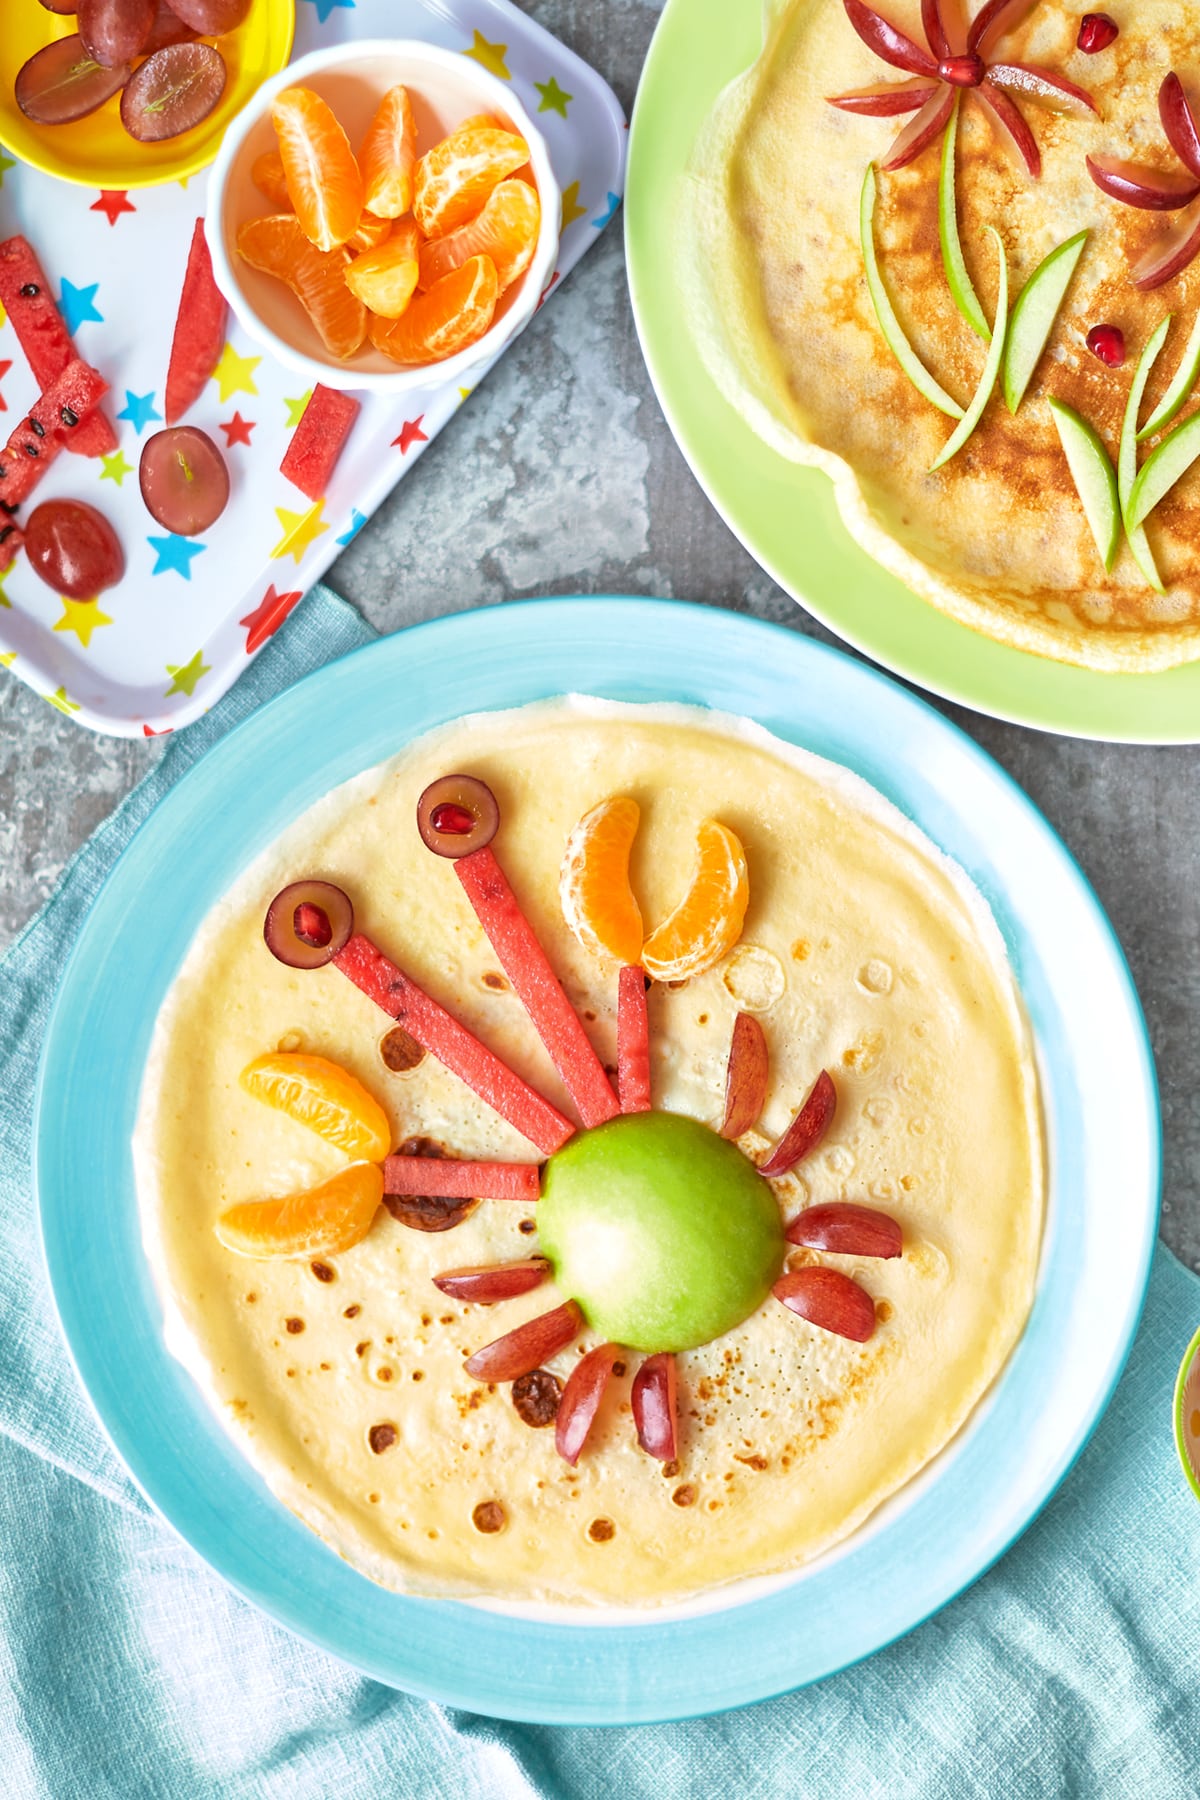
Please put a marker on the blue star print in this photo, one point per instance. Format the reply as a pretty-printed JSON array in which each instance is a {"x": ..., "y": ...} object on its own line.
[
  {"x": 325, "y": 7},
  {"x": 174, "y": 553},
  {"x": 614, "y": 200},
  {"x": 78, "y": 305},
  {"x": 357, "y": 521},
  {"x": 139, "y": 410}
]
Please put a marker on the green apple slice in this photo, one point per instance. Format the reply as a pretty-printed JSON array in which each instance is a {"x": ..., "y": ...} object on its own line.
[
  {"x": 1164, "y": 467},
  {"x": 1034, "y": 315},
  {"x": 991, "y": 367},
  {"x": 889, "y": 324},
  {"x": 1127, "y": 456},
  {"x": 962, "y": 288},
  {"x": 1181, "y": 385},
  {"x": 1094, "y": 478}
]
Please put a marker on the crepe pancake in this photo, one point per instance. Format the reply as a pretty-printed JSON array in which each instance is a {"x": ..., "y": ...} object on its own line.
[
  {"x": 775, "y": 292},
  {"x": 865, "y": 952}
]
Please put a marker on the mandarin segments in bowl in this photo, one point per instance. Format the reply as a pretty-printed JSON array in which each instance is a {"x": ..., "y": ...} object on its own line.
[
  {"x": 506, "y": 230},
  {"x": 453, "y": 180},
  {"x": 322, "y": 175},
  {"x": 322, "y": 1221},
  {"x": 452, "y": 315},
  {"x": 276, "y": 245},
  {"x": 267, "y": 174},
  {"x": 384, "y": 278},
  {"x": 369, "y": 233},
  {"x": 387, "y": 155}
]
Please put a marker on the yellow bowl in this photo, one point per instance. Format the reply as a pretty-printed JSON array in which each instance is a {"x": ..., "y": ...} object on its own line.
[{"x": 98, "y": 151}]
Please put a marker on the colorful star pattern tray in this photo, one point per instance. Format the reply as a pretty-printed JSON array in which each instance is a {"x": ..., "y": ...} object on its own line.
[{"x": 156, "y": 651}]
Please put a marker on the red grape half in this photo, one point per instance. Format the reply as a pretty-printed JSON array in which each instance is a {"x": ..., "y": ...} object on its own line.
[
  {"x": 73, "y": 548},
  {"x": 62, "y": 83},
  {"x": 172, "y": 92},
  {"x": 184, "y": 480}
]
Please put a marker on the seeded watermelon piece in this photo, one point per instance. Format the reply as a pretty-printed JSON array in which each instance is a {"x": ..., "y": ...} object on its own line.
[
  {"x": 25, "y": 296},
  {"x": 199, "y": 330},
  {"x": 12, "y": 539},
  {"x": 537, "y": 986},
  {"x": 48, "y": 426},
  {"x": 318, "y": 440},
  {"x": 633, "y": 1040},
  {"x": 449, "y": 1178},
  {"x": 460, "y": 1050}
]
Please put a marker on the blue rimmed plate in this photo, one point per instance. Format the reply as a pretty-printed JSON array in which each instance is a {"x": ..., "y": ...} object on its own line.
[{"x": 922, "y": 1548}]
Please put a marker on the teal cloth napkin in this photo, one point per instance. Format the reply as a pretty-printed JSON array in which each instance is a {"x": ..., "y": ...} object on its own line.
[{"x": 128, "y": 1669}]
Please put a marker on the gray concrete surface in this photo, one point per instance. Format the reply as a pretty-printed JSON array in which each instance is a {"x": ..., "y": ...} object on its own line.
[{"x": 567, "y": 426}]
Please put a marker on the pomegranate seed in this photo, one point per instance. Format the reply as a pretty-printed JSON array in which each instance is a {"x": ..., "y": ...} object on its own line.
[
  {"x": 311, "y": 925},
  {"x": 454, "y": 820},
  {"x": 1108, "y": 343},
  {"x": 1096, "y": 32},
  {"x": 963, "y": 71}
]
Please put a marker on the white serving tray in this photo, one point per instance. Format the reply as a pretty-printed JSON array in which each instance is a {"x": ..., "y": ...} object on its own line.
[{"x": 156, "y": 651}]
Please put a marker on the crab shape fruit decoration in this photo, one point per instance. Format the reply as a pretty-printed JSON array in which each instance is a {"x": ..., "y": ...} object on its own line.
[{"x": 664, "y": 1233}]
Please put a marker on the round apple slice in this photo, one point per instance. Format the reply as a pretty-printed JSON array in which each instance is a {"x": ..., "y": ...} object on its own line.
[
  {"x": 1167, "y": 465},
  {"x": 1180, "y": 387},
  {"x": 991, "y": 367},
  {"x": 1034, "y": 314},
  {"x": 1127, "y": 455},
  {"x": 962, "y": 288},
  {"x": 1092, "y": 473},
  {"x": 889, "y": 324}
]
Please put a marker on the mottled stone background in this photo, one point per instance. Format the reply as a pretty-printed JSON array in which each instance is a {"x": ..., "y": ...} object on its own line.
[{"x": 560, "y": 476}]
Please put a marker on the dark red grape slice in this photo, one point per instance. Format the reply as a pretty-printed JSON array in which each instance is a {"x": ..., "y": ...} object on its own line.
[
  {"x": 114, "y": 31},
  {"x": 307, "y": 923},
  {"x": 844, "y": 1228},
  {"x": 806, "y": 1129},
  {"x": 185, "y": 482},
  {"x": 211, "y": 17},
  {"x": 168, "y": 28},
  {"x": 457, "y": 814},
  {"x": 581, "y": 1400},
  {"x": 653, "y": 1399},
  {"x": 73, "y": 548},
  {"x": 830, "y": 1300},
  {"x": 485, "y": 1283},
  {"x": 62, "y": 83},
  {"x": 173, "y": 91},
  {"x": 526, "y": 1348}
]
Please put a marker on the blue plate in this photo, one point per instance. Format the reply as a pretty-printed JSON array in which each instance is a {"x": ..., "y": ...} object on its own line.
[{"x": 922, "y": 1548}]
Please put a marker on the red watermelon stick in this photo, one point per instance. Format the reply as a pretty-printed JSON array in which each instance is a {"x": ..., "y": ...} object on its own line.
[
  {"x": 12, "y": 539},
  {"x": 633, "y": 1040},
  {"x": 318, "y": 440},
  {"x": 450, "y": 1178},
  {"x": 460, "y": 1050},
  {"x": 25, "y": 296},
  {"x": 50, "y": 424},
  {"x": 199, "y": 331},
  {"x": 537, "y": 986}
]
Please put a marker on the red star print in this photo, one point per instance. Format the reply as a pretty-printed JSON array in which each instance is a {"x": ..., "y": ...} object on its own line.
[
  {"x": 4, "y": 368},
  {"x": 237, "y": 430},
  {"x": 267, "y": 617},
  {"x": 147, "y": 730},
  {"x": 410, "y": 434},
  {"x": 112, "y": 203},
  {"x": 546, "y": 290}
]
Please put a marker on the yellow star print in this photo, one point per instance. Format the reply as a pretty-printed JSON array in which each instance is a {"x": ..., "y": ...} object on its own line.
[
  {"x": 185, "y": 676},
  {"x": 234, "y": 374},
  {"x": 571, "y": 209},
  {"x": 82, "y": 617},
  {"x": 115, "y": 468},
  {"x": 4, "y": 574},
  {"x": 58, "y": 699},
  {"x": 8, "y": 659},
  {"x": 295, "y": 408},
  {"x": 299, "y": 530},
  {"x": 490, "y": 55}
]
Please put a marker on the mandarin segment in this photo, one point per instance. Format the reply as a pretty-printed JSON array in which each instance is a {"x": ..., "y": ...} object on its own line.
[
  {"x": 707, "y": 923},
  {"x": 278, "y": 246},
  {"x": 369, "y": 233},
  {"x": 323, "y": 178},
  {"x": 454, "y": 179},
  {"x": 454, "y": 314},
  {"x": 387, "y": 155},
  {"x": 384, "y": 279},
  {"x": 266, "y": 172},
  {"x": 325, "y": 1097},
  {"x": 597, "y": 900},
  {"x": 506, "y": 230},
  {"x": 322, "y": 1221}
]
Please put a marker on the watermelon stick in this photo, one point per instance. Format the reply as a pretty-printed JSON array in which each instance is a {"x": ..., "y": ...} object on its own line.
[
  {"x": 318, "y": 440},
  {"x": 25, "y": 297},
  {"x": 460, "y": 1050},
  {"x": 50, "y": 423},
  {"x": 633, "y": 1040},
  {"x": 12, "y": 539},
  {"x": 537, "y": 986},
  {"x": 199, "y": 331},
  {"x": 447, "y": 1178}
]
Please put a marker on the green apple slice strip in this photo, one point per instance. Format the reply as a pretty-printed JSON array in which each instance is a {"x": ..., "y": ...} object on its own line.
[
  {"x": 1127, "y": 456},
  {"x": 1094, "y": 477},
  {"x": 1181, "y": 385},
  {"x": 889, "y": 324},
  {"x": 1164, "y": 467},
  {"x": 962, "y": 288},
  {"x": 1034, "y": 314},
  {"x": 991, "y": 367}
]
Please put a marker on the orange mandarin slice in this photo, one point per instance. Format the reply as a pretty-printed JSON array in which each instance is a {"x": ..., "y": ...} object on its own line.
[
  {"x": 369, "y": 233},
  {"x": 266, "y": 172},
  {"x": 325, "y": 1097},
  {"x": 323, "y": 178},
  {"x": 385, "y": 278},
  {"x": 320, "y": 1222},
  {"x": 453, "y": 180},
  {"x": 593, "y": 886},
  {"x": 277, "y": 246},
  {"x": 387, "y": 154},
  {"x": 707, "y": 923},
  {"x": 506, "y": 230},
  {"x": 454, "y": 314}
]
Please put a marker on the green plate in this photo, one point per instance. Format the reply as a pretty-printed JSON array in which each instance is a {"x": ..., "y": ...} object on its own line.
[{"x": 786, "y": 515}]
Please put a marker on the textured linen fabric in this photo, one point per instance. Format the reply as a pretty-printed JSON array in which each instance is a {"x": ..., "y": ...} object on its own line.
[{"x": 127, "y": 1669}]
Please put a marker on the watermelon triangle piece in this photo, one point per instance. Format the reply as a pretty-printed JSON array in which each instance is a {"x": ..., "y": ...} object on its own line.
[{"x": 199, "y": 331}]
